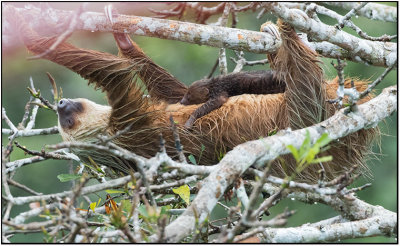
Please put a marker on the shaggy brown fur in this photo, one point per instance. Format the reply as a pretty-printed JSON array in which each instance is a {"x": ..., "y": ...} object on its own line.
[
  {"x": 306, "y": 104},
  {"x": 215, "y": 91},
  {"x": 241, "y": 118}
]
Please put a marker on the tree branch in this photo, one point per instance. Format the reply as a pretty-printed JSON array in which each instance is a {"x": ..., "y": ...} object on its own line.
[
  {"x": 373, "y": 11},
  {"x": 376, "y": 53},
  {"x": 381, "y": 224},
  {"x": 215, "y": 36},
  {"x": 341, "y": 44},
  {"x": 255, "y": 152}
]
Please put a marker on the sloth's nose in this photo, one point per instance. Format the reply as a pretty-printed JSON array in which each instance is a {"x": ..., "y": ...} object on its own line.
[
  {"x": 65, "y": 106},
  {"x": 68, "y": 106}
]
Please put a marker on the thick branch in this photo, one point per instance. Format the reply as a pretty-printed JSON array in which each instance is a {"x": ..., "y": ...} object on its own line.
[
  {"x": 260, "y": 152},
  {"x": 376, "y": 53},
  {"x": 215, "y": 36},
  {"x": 382, "y": 224}
]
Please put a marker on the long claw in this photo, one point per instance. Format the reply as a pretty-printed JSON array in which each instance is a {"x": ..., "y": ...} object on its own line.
[
  {"x": 189, "y": 123},
  {"x": 302, "y": 13},
  {"x": 271, "y": 29},
  {"x": 122, "y": 39},
  {"x": 109, "y": 11}
]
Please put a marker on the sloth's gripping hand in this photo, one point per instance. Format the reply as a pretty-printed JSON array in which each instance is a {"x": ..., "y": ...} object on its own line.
[{"x": 160, "y": 84}]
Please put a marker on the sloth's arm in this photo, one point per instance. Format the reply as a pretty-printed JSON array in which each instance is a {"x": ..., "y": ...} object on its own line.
[
  {"x": 299, "y": 66},
  {"x": 159, "y": 82},
  {"x": 206, "y": 108},
  {"x": 111, "y": 73}
]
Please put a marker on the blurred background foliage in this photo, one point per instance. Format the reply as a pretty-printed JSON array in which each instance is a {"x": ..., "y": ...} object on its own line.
[{"x": 188, "y": 62}]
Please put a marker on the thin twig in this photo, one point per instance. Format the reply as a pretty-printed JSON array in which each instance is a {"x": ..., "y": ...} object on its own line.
[
  {"x": 21, "y": 125},
  {"x": 358, "y": 188},
  {"x": 54, "y": 86},
  {"x": 32, "y": 132},
  {"x": 213, "y": 69},
  {"x": 23, "y": 187},
  {"x": 350, "y": 14},
  {"x": 222, "y": 21},
  {"x": 178, "y": 144},
  {"x": 340, "y": 91},
  {"x": 377, "y": 81},
  {"x": 42, "y": 153}
]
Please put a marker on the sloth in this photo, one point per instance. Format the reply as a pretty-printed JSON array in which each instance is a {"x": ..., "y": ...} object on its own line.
[
  {"x": 215, "y": 91},
  {"x": 241, "y": 118}
]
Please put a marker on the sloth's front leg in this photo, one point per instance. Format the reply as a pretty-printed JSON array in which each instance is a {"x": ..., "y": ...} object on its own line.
[{"x": 160, "y": 84}]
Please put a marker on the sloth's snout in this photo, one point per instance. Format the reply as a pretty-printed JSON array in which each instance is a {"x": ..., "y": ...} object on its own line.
[
  {"x": 67, "y": 110},
  {"x": 68, "y": 106}
]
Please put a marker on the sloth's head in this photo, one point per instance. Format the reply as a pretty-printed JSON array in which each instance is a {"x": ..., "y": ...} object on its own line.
[
  {"x": 196, "y": 93},
  {"x": 80, "y": 119}
]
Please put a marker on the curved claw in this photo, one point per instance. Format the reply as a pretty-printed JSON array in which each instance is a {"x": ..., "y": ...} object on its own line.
[
  {"x": 302, "y": 13},
  {"x": 109, "y": 11},
  {"x": 122, "y": 39},
  {"x": 271, "y": 29},
  {"x": 189, "y": 123}
]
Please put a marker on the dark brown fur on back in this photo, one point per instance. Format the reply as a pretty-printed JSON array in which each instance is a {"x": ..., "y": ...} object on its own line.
[
  {"x": 250, "y": 82},
  {"x": 214, "y": 92}
]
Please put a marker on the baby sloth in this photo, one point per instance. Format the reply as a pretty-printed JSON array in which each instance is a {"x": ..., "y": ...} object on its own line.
[{"x": 215, "y": 92}]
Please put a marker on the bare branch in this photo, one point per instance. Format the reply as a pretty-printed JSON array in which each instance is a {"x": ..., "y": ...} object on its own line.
[
  {"x": 85, "y": 190},
  {"x": 340, "y": 91},
  {"x": 32, "y": 132},
  {"x": 373, "y": 11},
  {"x": 380, "y": 225},
  {"x": 377, "y": 81},
  {"x": 350, "y": 14},
  {"x": 23, "y": 187},
  {"x": 376, "y": 53},
  {"x": 214, "y": 36}
]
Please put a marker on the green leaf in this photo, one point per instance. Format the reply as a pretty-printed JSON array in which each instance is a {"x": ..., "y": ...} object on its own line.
[
  {"x": 312, "y": 152},
  {"x": 323, "y": 140},
  {"x": 143, "y": 211},
  {"x": 164, "y": 209},
  {"x": 65, "y": 177},
  {"x": 294, "y": 152},
  {"x": 201, "y": 152},
  {"x": 114, "y": 191},
  {"x": 92, "y": 206},
  {"x": 126, "y": 205},
  {"x": 184, "y": 192},
  {"x": 305, "y": 146},
  {"x": 322, "y": 159},
  {"x": 192, "y": 159},
  {"x": 273, "y": 132}
]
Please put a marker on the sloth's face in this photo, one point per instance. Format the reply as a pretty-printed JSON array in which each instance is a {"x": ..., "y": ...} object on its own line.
[
  {"x": 197, "y": 93},
  {"x": 79, "y": 119}
]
